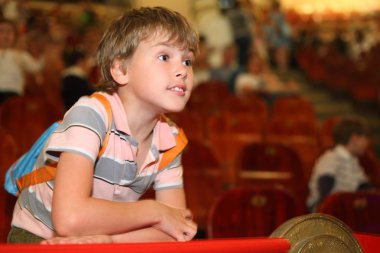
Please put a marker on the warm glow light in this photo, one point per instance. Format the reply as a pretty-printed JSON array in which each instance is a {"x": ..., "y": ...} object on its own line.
[{"x": 332, "y": 6}]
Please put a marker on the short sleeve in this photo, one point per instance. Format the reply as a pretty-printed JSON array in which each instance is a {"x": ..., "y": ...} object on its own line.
[{"x": 81, "y": 131}]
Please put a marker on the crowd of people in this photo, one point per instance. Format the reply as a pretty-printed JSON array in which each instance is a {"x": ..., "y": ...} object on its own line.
[
  {"x": 44, "y": 52},
  {"x": 230, "y": 35},
  {"x": 265, "y": 35},
  {"x": 279, "y": 38}
]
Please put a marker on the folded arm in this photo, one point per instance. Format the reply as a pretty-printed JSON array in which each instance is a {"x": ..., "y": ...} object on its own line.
[{"x": 76, "y": 213}]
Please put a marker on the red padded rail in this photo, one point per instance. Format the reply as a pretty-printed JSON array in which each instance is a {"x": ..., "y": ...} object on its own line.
[{"x": 257, "y": 245}]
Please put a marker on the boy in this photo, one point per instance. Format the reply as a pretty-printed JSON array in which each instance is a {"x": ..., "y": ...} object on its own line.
[
  {"x": 338, "y": 169},
  {"x": 145, "y": 59}
]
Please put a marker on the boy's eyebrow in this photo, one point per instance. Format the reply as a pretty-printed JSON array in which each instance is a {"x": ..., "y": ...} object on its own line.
[
  {"x": 162, "y": 44},
  {"x": 171, "y": 45}
]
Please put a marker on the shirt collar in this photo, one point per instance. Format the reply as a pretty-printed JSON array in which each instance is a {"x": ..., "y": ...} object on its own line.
[
  {"x": 76, "y": 71},
  {"x": 163, "y": 133},
  {"x": 343, "y": 152}
]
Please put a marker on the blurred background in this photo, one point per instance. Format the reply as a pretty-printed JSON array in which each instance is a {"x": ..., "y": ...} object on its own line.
[{"x": 274, "y": 73}]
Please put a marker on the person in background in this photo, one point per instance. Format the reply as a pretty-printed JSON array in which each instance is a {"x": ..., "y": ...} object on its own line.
[
  {"x": 75, "y": 82},
  {"x": 224, "y": 72},
  {"x": 338, "y": 168},
  {"x": 252, "y": 80},
  {"x": 277, "y": 33},
  {"x": 242, "y": 24},
  {"x": 14, "y": 63},
  {"x": 202, "y": 68},
  {"x": 259, "y": 79},
  {"x": 145, "y": 57}
]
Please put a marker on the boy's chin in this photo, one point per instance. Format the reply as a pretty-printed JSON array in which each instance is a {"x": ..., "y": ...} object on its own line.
[{"x": 175, "y": 109}]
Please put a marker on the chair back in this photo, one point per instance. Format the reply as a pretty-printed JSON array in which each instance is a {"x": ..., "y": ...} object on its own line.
[
  {"x": 8, "y": 154},
  {"x": 293, "y": 106},
  {"x": 208, "y": 97},
  {"x": 26, "y": 118},
  {"x": 359, "y": 210},
  {"x": 203, "y": 179},
  {"x": 250, "y": 212},
  {"x": 272, "y": 164}
]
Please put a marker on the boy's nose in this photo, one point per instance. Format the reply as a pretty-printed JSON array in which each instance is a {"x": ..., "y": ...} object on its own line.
[{"x": 181, "y": 72}]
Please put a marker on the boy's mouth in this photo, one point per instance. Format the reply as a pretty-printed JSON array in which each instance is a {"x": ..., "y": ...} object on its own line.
[{"x": 178, "y": 89}]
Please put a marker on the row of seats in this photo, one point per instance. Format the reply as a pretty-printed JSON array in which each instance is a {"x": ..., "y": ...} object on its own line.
[
  {"x": 215, "y": 162},
  {"x": 226, "y": 132},
  {"x": 228, "y": 122},
  {"x": 257, "y": 212},
  {"x": 359, "y": 79},
  {"x": 213, "y": 96},
  {"x": 240, "y": 122},
  {"x": 8, "y": 154},
  {"x": 264, "y": 164},
  {"x": 26, "y": 117}
]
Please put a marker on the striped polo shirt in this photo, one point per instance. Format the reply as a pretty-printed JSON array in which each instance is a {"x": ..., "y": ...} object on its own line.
[
  {"x": 340, "y": 164},
  {"x": 116, "y": 176}
]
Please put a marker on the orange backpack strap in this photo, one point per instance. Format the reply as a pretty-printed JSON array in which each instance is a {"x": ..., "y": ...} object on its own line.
[
  {"x": 47, "y": 172},
  {"x": 171, "y": 154},
  {"x": 36, "y": 176}
]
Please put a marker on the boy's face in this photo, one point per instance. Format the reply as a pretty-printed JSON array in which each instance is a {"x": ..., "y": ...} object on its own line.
[
  {"x": 160, "y": 75},
  {"x": 7, "y": 35},
  {"x": 359, "y": 144}
]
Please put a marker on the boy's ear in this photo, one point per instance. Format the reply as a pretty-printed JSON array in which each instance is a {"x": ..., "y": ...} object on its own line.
[{"x": 119, "y": 72}]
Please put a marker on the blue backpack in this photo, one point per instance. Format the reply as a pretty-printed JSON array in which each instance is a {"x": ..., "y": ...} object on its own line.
[{"x": 21, "y": 174}]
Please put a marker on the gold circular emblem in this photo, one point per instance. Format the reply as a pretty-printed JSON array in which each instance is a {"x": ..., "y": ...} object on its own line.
[{"x": 318, "y": 233}]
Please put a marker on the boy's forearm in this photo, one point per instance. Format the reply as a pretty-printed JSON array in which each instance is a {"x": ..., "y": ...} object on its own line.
[
  {"x": 76, "y": 213},
  {"x": 117, "y": 217},
  {"x": 142, "y": 235}
]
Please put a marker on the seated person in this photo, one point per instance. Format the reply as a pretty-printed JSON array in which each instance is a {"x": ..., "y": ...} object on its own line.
[
  {"x": 202, "y": 68},
  {"x": 15, "y": 63},
  {"x": 338, "y": 168},
  {"x": 258, "y": 78},
  {"x": 75, "y": 82},
  {"x": 229, "y": 65}
]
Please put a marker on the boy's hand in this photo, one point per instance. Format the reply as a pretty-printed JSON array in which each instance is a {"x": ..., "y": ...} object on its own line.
[
  {"x": 79, "y": 239},
  {"x": 178, "y": 223}
]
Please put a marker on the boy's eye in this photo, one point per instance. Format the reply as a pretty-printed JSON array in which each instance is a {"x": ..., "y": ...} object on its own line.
[
  {"x": 188, "y": 62},
  {"x": 163, "y": 57}
]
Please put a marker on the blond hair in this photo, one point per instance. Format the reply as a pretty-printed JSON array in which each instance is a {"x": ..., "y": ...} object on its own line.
[{"x": 124, "y": 34}]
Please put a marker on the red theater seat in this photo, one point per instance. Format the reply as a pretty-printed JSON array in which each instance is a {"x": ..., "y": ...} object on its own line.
[
  {"x": 300, "y": 133},
  {"x": 207, "y": 97},
  {"x": 8, "y": 154},
  {"x": 359, "y": 210},
  {"x": 203, "y": 179},
  {"x": 192, "y": 123},
  {"x": 326, "y": 131},
  {"x": 26, "y": 118},
  {"x": 293, "y": 106},
  {"x": 271, "y": 164},
  {"x": 247, "y": 212},
  {"x": 229, "y": 132},
  {"x": 250, "y": 104}
]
